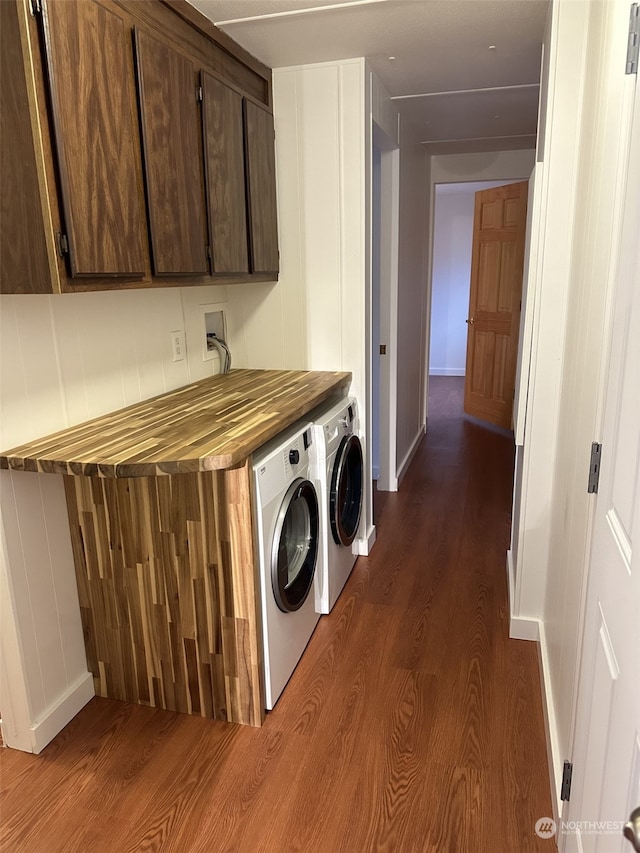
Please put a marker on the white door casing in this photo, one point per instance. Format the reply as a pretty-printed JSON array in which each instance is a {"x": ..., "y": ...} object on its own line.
[{"x": 534, "y": 203}]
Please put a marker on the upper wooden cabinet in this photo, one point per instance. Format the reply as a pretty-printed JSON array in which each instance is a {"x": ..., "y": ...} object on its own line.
[
  {"x": 132, "y": 149},
  {"x": 170, "y": 121},
  {"x": 93, "y": 126},
  {"x": 27, "y": 258},
  {"x": 261, "y": 180},
  {"x": 226, "y": 183}
]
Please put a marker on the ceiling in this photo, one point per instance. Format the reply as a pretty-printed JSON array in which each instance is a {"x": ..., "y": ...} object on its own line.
[{"x": 464, "y": 73}]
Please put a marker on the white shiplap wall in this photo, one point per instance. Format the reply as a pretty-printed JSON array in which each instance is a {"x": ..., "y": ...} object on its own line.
[
  {"x": 319, "y": 114},
  {"x": 321, "y": 158}
]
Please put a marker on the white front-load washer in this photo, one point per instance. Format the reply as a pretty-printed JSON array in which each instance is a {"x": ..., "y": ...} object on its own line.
[
  {"x": 288, "y": 528},
  {"x": 337, "y": 463}
]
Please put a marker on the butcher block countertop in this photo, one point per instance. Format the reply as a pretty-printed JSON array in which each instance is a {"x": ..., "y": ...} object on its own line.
[{"x": 212, "y": 424}]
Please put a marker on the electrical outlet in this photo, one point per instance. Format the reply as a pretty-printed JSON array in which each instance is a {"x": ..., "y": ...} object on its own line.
[{"x": 178, "y": 345}]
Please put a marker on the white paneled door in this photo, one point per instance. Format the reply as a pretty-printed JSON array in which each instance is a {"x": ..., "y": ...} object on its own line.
[{"x": 606, "y": 759}]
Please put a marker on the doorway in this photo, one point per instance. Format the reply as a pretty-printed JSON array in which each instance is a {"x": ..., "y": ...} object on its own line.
[
  {"x": 451, "y": 274},
  {"x": 384, "y": 311}
]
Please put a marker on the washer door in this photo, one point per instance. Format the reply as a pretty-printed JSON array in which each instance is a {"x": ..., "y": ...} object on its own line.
[
  {"x": 295, "y": 546},
  {"x": 345, "y": 500}
]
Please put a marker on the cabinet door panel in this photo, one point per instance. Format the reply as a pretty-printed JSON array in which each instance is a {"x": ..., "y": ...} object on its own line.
[
  {"x": 24, "y": 259},
  {"x": 224, "y": 164},
  {"x": 171, "y": 132},
  {"x": 261, "y": 179},
  {"x": 88, "y": 60}
]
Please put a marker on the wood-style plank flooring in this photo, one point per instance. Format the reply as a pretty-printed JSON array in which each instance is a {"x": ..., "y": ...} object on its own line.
[{"x": 411, "y": 724}]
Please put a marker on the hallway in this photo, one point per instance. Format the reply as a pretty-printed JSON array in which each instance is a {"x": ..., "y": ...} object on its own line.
[{"x": 412, "y": 723}]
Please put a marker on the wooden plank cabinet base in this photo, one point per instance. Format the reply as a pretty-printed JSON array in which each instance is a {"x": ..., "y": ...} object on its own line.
[{"x": 169, "y": 592}]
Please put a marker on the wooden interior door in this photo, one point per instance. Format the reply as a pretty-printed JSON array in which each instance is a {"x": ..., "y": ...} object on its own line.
[
  {"x": 224, "y": 167},
  {"x": 497, "y": 258},
  {"x": 172, "y": 143},
  {"x": 261, "y": 188},
  {"x": 88, "y": 57}
]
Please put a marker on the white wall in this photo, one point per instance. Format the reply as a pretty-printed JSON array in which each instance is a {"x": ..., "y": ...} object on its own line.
[
  {"x": 319, "y": 117},
  {"x": 63, "y": 360},
  {"x": 486, "y": 166},
  {"x": 322, "y": 167},
  {"x": 452, "y": 237},
  {"x": 558, "y": 175}
]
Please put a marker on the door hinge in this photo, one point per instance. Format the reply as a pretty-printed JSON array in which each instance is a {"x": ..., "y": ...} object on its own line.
[
  {"x": 208, "y": 251},
  {"x": 633, "y": 47},
  {"x": 63, "y": 244},
  {"x": 35, "y": 7},
  {"x": 199, "y": 94},
  {"x": 565, "y": 788},
  {"x": 594, "y": 468}
]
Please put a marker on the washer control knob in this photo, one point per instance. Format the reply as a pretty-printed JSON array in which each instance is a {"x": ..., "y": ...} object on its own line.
[{"x": 294, "y": 457}]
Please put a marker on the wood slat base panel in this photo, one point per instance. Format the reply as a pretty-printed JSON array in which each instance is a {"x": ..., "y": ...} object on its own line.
[{"x": 168, "y": 595}]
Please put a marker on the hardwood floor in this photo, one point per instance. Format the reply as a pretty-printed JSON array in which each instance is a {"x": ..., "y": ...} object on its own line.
[{"x": 411, "y": 724}]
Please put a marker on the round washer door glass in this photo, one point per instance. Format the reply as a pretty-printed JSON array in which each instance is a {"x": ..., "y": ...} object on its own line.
[
  {"x": 295, "y": 546},
  {"x": 345, "y": 500}
]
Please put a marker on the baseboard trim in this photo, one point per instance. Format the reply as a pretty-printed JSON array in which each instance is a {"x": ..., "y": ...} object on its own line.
[
  {"x": 554, "y": 759},
  {"x": 529, "y": 628},
  {"x": 57, "y": 717},
  {"x": 533, "y": 629},
  {"x": 362, "y": 546},
  {"x": 511, "y": 582},
  {"x": 446, "y": 371},
  {"x": 520, "y": 628},
  {"x": 389, "y": 485},
  {"x": 410, "y": 454},
  {"x": 524, "y": 629}
]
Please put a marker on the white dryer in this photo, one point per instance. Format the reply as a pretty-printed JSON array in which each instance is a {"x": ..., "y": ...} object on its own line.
[
  {"x": 337, "y": 463},
  {"x": 288, "y": 527}
]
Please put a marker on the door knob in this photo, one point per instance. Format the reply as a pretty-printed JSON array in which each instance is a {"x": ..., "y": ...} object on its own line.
[
  {"x": 631, "y": 829},
  {"x": 470, "y": 321}
]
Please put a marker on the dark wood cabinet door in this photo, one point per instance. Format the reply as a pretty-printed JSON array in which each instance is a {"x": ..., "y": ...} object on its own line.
[
  {"x": 88, "y": 58},
  {"x": 172, "y": 142},
  {"x": 261, "y": 188},
  {"x": 224, "y": 167},
  {"x": 24, "y": 258}
]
